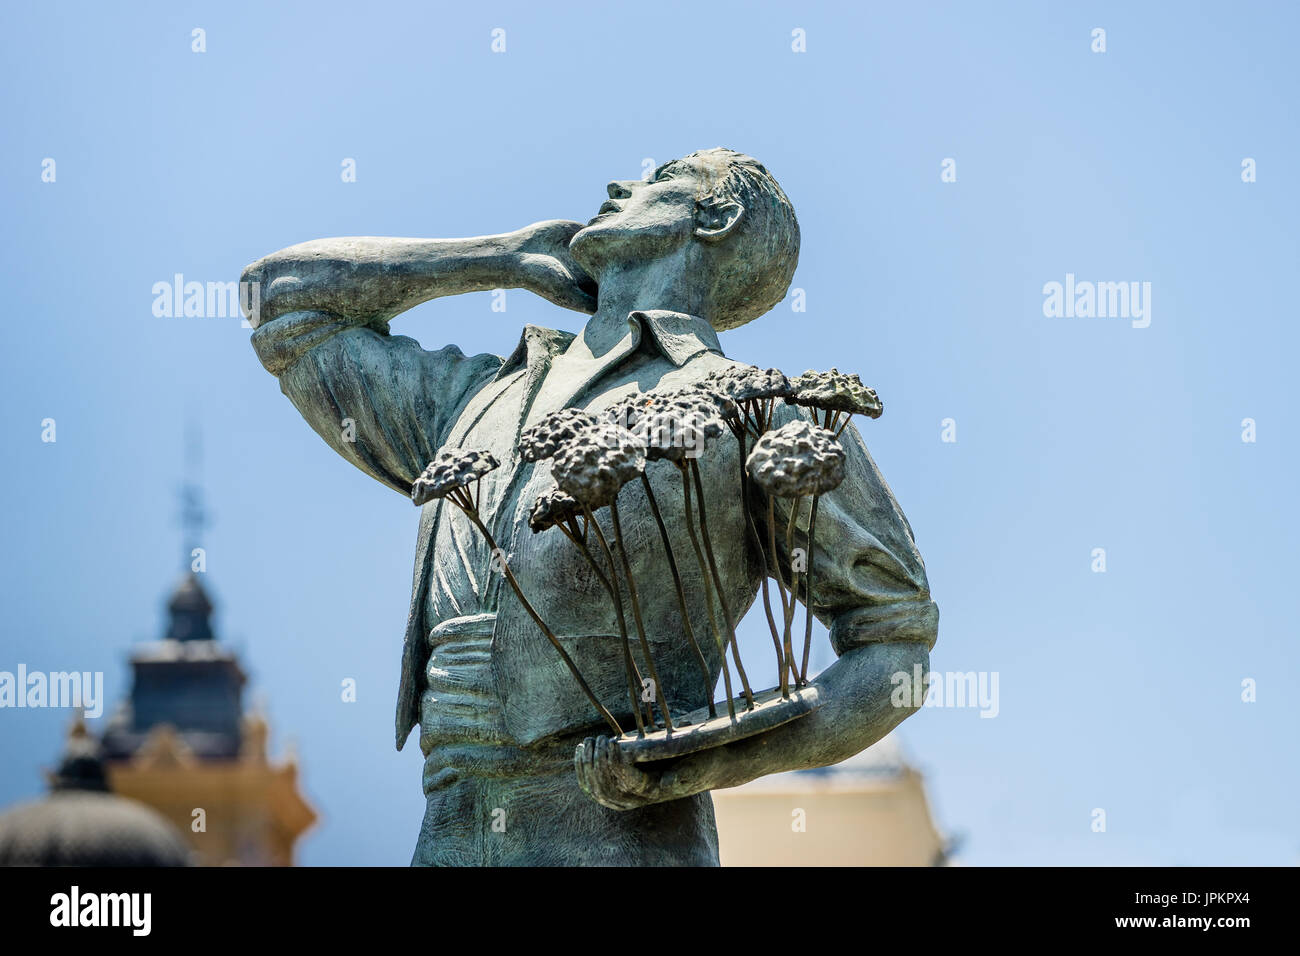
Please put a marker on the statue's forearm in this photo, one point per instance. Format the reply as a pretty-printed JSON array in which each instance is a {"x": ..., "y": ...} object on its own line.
[
  {"x": 372, "y": 279},
  {"x": 858, "y": 711}
]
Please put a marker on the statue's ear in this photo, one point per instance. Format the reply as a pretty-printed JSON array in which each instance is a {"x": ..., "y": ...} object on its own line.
[{"x": 715, "y": 218}]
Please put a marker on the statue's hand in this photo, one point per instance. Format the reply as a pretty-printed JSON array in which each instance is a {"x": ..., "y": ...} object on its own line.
[
  {"x": 610, "y": 780},
  {"x": 548, "y": 269}
]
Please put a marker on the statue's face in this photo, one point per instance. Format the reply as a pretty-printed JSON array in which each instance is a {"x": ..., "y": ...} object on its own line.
[{"x": 643, "y": 219}]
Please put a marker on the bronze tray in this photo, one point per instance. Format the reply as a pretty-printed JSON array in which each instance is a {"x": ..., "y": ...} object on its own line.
[{"x": 697, "y": 731}]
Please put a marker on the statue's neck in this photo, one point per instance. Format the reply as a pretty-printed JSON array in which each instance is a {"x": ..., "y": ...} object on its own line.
[{"x": 663, "y": 283}]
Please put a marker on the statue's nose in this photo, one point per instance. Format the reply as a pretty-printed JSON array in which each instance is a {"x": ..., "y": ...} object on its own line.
[{"x": 618, "y": 190}]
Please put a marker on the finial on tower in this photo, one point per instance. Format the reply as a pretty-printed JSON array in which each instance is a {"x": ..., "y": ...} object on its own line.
[{"x": 194, "y": 517}]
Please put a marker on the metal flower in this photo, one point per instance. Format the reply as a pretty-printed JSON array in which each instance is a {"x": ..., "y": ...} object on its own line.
[
  {"x": 626, "y": 412},
  {"x": 745, "y": 383},
  {"x": 837, "y": 392},
  {"x": 452, "y": 468},
  {"x": 551, "y": 508},
  {"x": 544, "y": 439},
  {"x": 709, "y": 401},
  {"x": 797, "y": 459},
  {"x": 629, "y": 411},
  {"x": 593, "y": 465},
  {"x": 676, "y": 423}
]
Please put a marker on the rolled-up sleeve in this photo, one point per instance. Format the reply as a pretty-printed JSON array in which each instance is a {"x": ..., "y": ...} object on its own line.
[
  {"x": 868, "y": 578},
  {"x": 379, "y": 400}
]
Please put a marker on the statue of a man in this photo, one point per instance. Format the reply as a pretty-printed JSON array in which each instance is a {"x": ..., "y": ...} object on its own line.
[{"x": 516, "y": 772}]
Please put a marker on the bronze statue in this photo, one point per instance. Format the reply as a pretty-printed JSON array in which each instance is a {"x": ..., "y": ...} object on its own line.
[{"x": 524, "y": 763}]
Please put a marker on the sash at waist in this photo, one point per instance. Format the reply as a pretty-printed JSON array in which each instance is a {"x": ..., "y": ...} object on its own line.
[
  {"x": 460, "y": 701},
  {"x": 465, "y": 701},
  {"x": 471, "y": 625}
]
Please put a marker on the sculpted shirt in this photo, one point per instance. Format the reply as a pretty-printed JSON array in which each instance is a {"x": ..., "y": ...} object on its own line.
[{"x": 491, "y": 695}]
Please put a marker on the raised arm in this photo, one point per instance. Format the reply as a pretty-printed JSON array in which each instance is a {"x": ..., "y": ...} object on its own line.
[
  {"x": 370, "y": 280},
  {"x": 382, "y": 401}
]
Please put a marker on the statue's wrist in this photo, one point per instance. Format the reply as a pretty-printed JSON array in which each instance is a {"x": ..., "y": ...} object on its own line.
[{"x": 692, "y": 774}]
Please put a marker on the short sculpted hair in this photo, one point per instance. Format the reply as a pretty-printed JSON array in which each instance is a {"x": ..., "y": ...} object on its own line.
[{"x": 754, "y": 265}]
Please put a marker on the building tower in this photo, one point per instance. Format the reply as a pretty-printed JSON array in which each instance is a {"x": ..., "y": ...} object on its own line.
[{"x": 184, "y": 744}]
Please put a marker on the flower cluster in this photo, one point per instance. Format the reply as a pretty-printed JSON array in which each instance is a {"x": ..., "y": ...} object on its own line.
[
  {"x": 451, "y": 469},
  {"x": 551, "y": 508},
  {"x": 675, "y": 424},
  {"x": 593, "y": 455},
  {"x": 797, "y": 459},
  {"x": 837, "y": 392},
  {"x": 544, "y": 439},
  {"x": 593, "y": 465},
  {"x": 747, "y": 383}
]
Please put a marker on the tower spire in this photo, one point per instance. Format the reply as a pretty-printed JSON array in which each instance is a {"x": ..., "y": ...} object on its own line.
[
  {"x": 193, "y": 516},
  {"x": 189, "y": 609}
]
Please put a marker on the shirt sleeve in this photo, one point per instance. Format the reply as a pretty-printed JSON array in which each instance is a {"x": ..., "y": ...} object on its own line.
[
  {"x": 868, "y": 578},
  {"x": 379, "y": 400}
]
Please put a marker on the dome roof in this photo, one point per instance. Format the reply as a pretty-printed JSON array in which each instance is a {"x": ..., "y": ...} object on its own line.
[
  {"x": 85, "y": 828},
  {"x": 81, "y": 824}
]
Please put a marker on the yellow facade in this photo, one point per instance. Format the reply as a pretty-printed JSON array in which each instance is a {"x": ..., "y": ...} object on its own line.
[
  {"x": 240, "y": 812},
  {"x": 868, "y": 811}
]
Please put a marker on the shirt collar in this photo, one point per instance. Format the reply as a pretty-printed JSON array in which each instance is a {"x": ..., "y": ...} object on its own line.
[
  {"x": 678, "y": 336},
  {"x": 537, "y": 346}
]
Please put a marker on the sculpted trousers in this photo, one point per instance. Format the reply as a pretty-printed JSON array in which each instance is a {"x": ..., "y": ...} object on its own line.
[{"x": 506, "y": 806}]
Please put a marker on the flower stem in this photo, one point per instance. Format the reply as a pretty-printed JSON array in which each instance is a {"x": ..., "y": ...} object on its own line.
[
  {"x": 752, "y": 530},
  {"x": 794, "y": 585},
  {"x": 780, "y": 583},
  {"x": 681, "y": 593},
  {"x": 717, "y": 581},
  {"x": 636, "y": 616},
  {"x": 629, "y": 665},
  {"x": 472, "y": 513},
  {"x": 708, "y": 590},
  {"x": 808, "y": 577}
]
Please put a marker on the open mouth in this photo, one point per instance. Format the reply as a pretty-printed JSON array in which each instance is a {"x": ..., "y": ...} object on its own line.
[{"x": 607, "y": 206}]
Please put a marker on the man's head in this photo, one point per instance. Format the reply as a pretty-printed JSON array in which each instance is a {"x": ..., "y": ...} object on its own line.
[{"x": 723, "y": 211}]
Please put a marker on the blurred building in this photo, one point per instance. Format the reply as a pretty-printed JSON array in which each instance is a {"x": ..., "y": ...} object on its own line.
[
  {"x": 869, "y": 810},
  {"x": 183, "y": 744},
  {"x": 80, "y": 823},
  {"x": 181, "y": 773}
]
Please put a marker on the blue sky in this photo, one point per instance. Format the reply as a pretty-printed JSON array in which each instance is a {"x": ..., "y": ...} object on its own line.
[{"x": 1118, "y": 690}]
